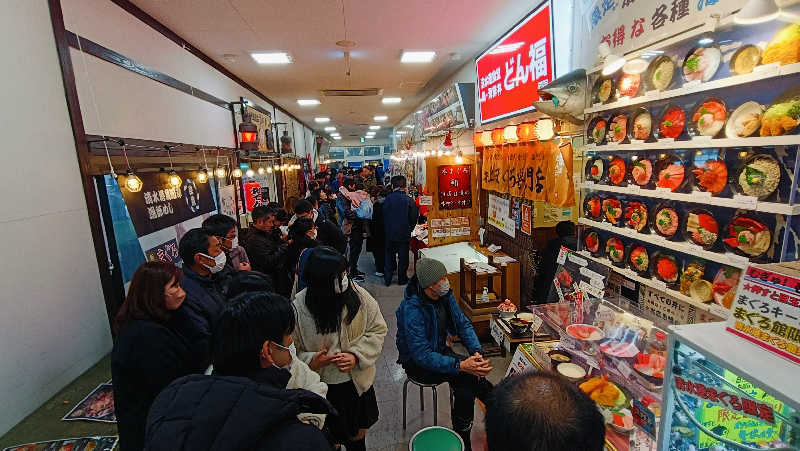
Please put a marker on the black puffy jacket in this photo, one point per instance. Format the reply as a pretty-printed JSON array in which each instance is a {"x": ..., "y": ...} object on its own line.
[
  {"x": 221, "y": 413},
  {"x": 267, "y": 254}
]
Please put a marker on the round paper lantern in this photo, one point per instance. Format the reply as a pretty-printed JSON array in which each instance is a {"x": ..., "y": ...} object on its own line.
[
  {"x": 525, "y": 131},
  {"x": 476, "y": 139},
  {"x": 497, "y": 136},
  {"x": 510, "y": 134},
  {"x": 486, "y": 138},
  {"x": 545, "y": 130}
]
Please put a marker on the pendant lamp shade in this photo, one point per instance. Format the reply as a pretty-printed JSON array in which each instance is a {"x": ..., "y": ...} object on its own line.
[
  {"x": 757, "y": 11},
  {"x": 497, "y": 136},
  {"x": 525, "y": 132},
  {"x": 510, "y": 134},
  {"x": 476, "y": 139}
]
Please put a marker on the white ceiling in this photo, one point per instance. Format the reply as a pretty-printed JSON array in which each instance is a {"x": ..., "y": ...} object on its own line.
[{"x": 308, "y": 30}]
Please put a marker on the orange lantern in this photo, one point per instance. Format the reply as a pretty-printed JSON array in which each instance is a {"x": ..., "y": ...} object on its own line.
[
  {"x": 497, "y": 137},
  {"x": 476, "y": 139},
  {"x": 525, "y": 131}
]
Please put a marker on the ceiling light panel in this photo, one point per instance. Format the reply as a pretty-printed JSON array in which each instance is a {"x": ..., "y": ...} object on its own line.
[
  {"x": 391, "y": 100},
  {"x": 271, "y": 57},
  {"x": 380, "y": 118},
  {"x": 308, "y": 102},
  {"x": 330, "y": 129},
  {"x": 374, "y": 127},
  {"x": 322, "y": 120},
  {"x": 417, "y": 56}
]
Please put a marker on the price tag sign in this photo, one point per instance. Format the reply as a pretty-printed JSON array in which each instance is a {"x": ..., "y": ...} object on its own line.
[
  {"x": 588, "y": 184},
  {"x": 536, "y": 324},
  {"x": 562, "y": 256},
  {"x": 519, "y": 364},
  {"x": 746, "y": 202},
  {"x": 624, "y": 368},
  {"x": 644, "y": 418},
  {"x": 426, "y": 200},
  {"x": 497, "y": 333}
]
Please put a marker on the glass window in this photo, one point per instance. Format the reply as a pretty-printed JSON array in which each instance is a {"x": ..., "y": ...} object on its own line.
[{"x": 353, "y": 151}]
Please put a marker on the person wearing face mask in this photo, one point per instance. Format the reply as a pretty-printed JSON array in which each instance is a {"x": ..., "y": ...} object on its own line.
[
  {"x": 260, "y": 397},
  {"x": 204, "y": 280},
  {"x": 303, "y": 236},
  {"x": 429, "y": 314},
  {"x": 340, "y": 334},
  {"x": 329, "y": 233},
  {"x": 224, "y": 228},
  {"x": 154, "y": 345},
  {"x": 267, "y": 250}
]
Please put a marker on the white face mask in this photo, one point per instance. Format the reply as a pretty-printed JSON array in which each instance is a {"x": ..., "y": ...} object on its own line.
[
  {"x": 316, "y": 215},
  {"x": 219, "y": 262},
  {"x": 340, "y": 287},
  {"x": 443, "y": 288},
  {"x": 292, "y": 351},
  {"x": 235, "y": 242}
]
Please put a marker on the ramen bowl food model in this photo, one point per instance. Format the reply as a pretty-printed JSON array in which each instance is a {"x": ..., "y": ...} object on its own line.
[{"x": 660, "y": 73}]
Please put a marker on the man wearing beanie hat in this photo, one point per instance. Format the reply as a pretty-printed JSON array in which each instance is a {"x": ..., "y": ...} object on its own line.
[{"x": 429, "y": 314}]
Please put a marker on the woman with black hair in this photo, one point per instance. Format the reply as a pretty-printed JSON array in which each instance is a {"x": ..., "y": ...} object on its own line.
[
  {"x": 155, "y": 344},
  {"x": 245, "y": 404},
  {"x": 303, "y": 234},
  {"x": 340, "y": 334}
]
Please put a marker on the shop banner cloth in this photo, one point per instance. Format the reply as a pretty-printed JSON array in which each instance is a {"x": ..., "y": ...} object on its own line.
[{"x": 159, "y": 205}]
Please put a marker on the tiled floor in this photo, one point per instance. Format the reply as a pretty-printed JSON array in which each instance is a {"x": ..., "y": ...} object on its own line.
[{"x": 386, "y": 435}]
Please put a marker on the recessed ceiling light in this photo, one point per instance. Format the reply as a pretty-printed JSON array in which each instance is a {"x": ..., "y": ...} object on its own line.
[
  {"x": 705, "y": 41},
  {"x": 368, "y": 137},
  {"x": 419, "y": 112},
  {"x": 308, "y": 102},
  {"x": 374, "y": 127},
  {"x": 330, "y": 129},
  {"x": 417, "y": 57},
  {"x": 322, "y": 120},
  {"x": 391, "y": 100},
  {"x": 370, "y": 133},
  {"x": 337, "y": 138},
  {"x": 380, "y": 118},
  {"x": 271, "y": 57}
]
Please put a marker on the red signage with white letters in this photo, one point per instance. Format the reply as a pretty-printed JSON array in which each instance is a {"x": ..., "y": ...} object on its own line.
[{"x": 512, "y": 70}]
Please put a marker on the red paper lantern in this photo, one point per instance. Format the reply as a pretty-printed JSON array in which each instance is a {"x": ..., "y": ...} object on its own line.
[
  {"x": 525, "y": 131},
  {"x": 497, "y": 137},
  {"x": 476, "y": 139},
  {"x": 248, "y": 136}
]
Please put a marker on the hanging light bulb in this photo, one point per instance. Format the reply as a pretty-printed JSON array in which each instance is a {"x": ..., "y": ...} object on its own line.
[
  {"x": 236, "y": 172},
  {"x": 174, "y": 179},
  {"x": 220, "y": 172},
  {"x": 132, "y": 181},
  {"x": 277, "y": 167},
  {"x": 269, "y": 169},
  {"x": 250, "y": 172},
  {"x": 439, "y": 153},
  {"x": 459, "y": 158},
  {"x": 261, "y": 171},
  {"x": 202, "y": 176},
  {"x": 284, "y": 167}
]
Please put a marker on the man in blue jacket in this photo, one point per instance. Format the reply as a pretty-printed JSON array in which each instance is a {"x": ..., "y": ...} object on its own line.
[
  {"x": 426, "y": 317},
  {"x": 399, "y": 219}
]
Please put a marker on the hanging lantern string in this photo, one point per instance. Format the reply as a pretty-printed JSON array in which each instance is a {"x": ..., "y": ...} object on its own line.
[
  {"x": 169, "y": 155},
  {"x": 205, "y": 163},
  {"x": 94, "y": 102},
  {"x": 125, "y": 154}
]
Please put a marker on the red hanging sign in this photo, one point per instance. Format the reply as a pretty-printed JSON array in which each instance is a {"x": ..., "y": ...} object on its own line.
[{"x": 512, "y": 70}]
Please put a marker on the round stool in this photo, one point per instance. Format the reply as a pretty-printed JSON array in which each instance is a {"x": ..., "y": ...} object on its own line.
[
  {"x": 435, "y": 438},
  {"x": 422, "y": 398}
]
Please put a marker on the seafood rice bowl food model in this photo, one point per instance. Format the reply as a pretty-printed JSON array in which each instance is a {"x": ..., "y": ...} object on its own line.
[
  {"x": 666, "y": 221},
  {"x": 665, "y": 268},
  {"x": 639, "y": 259},
  {"x": 599, "y": 130},
  {"x": 709, "y": 117},
  {"x": 672, "y": 122},
  {"x": 783, "y": 115},
  {"x": 594, "y": 208},
  {"x": 702, "y": 228},
  {"x": 636, "y": 215},
  {"x": 612, "y": 209},
  {"x": 592, "y": 242},
  {"x": 711, "y": 177},
  {"x": 724, "y": 285},
  {"x": 748, "y": 236},
  {"x": 642, "y": 125},
  {"x": 618, "y": 128},
  {"x": 615, "y": 250},
  {"x": 760, "y": 176},
  {"x": 603, "y": 89},
  {"x": 616, "y": 171},
  {"x": 641, "y": 171},
  {"x": 595, "y": 169},
  {"x": 701, "y": 64},
  {"x": 670, "y": 172}
]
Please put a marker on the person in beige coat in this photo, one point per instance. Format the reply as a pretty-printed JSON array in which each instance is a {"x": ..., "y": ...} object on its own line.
[{"x": 340, "y": 333}]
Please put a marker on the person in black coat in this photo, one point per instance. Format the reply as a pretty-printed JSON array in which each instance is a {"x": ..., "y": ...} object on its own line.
[
  {"x": 267, "y": 249},
  {"x": 156, "y": 343},
  {"x": 245, "y": 405},
  {"x": 547, "y": 271},
  {"x": 376, "y": 242},
  {"x": 399, "y": 218},
  {"x": 303, "y": 235},
  {"x": 328, "y": 233}
]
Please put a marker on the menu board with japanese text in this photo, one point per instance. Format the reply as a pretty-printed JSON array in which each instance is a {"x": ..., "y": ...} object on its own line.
[{"x": 455, "y": 187}]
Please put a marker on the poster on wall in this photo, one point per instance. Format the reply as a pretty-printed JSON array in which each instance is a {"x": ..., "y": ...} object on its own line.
[
  {"x": 525, "y": 224},
  {"x": 227, "y": 201},
  {"x": 512, "y": 70},
  {"x": 264, "y": 123},
  {"x": 159, "y": 205},
  {"x": 499, "y": 214},
  {"x": 626, "y": 25},
  {"x": 455, "y": 187},
  {"x": 252, "y": 195}
]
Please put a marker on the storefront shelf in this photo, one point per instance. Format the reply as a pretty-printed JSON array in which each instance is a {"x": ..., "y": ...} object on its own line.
[
  {"x": 660, "y": 286},
  {"x": 763, "y": 73},
  {"x": 772, "y": 373},
  {"x": 726, "y": 259},
  {"x": 698, "y": 198},
  {"x": 698, "y": 143}
]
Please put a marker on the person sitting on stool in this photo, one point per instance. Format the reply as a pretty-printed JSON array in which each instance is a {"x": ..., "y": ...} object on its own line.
[{"x": 425, "y": 318}]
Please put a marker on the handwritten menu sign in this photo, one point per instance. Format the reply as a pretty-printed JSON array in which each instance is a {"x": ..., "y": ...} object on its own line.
[
  {"x": 455, "y": 187},
  {"x": 767, "y": 310}
]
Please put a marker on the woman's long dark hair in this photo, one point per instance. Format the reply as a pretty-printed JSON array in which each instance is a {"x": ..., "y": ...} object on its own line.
[
  {"x": 145, "y": 298},
  {"x": 324, "y": 268},
  {"x": 300, "y": 241}
]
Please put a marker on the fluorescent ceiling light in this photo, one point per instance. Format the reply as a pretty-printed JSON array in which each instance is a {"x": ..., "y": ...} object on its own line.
[
  {"x": 391, "y": 100},
  {"x": 337, "y": 138},
  {"x": 705, "y": 41},
  {"x": 334, "y": 133},
  {"x": 374, "y": 127},
  {"x": 308, "y": 102},
  {"x": 380, "y": 118},
  {"x": 370, "y": 134},
  {"x": 330, "y": 129},
  {"x": 271, "y": 57},
  {"x": 401, "y": 132},
  {"x": 417, "y": 57},
  {"x": 506, "y": 48},
  {"x": 368, "y": 137},
  {"x": 757, "y": 11},
  {"x": 419, "y": 112},
  {"x": 322, "y": 120}
]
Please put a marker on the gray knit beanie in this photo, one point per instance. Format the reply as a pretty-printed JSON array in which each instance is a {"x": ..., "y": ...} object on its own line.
[{"x": 430, "y": 271}]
